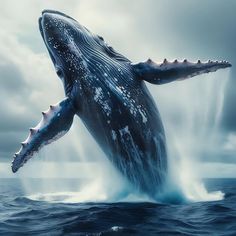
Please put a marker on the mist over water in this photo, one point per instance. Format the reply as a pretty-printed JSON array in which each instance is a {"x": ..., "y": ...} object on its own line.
[
  {"x": 98, "y": 181},
  {"x": 191, "y": 121},
  {"x": 194, "y": 134}
]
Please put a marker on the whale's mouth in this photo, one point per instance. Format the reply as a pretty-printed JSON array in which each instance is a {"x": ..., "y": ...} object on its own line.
[
  {"x": 44, "y": 39},
  {"x": 46, "y": 25}
]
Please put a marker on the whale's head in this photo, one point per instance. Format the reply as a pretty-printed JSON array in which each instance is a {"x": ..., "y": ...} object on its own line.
[{"x": 74, "y": 50}]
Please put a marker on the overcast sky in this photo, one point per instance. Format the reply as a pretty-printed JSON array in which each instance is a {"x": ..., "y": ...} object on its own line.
[{"x": 199, "y": 115}]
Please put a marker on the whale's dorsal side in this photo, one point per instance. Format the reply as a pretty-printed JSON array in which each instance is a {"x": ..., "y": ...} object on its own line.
[{"x": 170, "y": 71}]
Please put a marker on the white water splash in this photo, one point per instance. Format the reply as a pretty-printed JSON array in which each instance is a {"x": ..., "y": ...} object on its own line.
[
  {"x": 191, "y": 120},
  {"x": 86, "y": 195},
  {"x": 102, "y": 182}
]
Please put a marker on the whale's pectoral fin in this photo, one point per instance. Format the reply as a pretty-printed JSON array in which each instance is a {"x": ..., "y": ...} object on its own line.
[
  {"x": 54, "y": 124},
  {"x": 170, "y": 71}
]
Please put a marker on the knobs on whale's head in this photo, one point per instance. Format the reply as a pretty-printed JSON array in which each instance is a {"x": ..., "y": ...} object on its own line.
[{"x": 72, "y": 47}]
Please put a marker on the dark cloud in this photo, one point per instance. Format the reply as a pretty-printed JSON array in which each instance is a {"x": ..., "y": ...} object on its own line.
[
  {"x": 11, "y": 78},
  {"x": 8, "y": 142},
  {"x": 203, "y": 30}
]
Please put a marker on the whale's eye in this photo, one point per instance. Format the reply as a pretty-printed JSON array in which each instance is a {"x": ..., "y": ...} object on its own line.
[{"x": 59, "y": 72}]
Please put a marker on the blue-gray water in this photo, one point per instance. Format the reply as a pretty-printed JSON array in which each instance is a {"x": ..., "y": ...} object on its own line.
[{"x": 19, "y": 215}]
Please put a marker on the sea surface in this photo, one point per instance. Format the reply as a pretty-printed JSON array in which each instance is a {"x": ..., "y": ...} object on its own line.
[{"x": 21, "y": 214}]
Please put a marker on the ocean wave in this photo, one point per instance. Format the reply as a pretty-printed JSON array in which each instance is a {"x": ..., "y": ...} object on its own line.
[{"x": 35, "y": 215}]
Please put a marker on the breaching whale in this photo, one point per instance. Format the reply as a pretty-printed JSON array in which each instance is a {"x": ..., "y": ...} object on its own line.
[{"x": 107, "y": 91}]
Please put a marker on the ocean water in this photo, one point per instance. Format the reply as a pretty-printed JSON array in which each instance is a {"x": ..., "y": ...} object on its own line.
[{"x": 22, "y": 214}]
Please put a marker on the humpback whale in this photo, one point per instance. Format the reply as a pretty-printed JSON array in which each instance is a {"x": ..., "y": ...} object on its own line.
[{"x": 108, "y": 93}]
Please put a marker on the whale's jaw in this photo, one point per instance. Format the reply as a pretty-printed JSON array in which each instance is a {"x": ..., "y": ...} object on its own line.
[{"x": 60, "y": 35}]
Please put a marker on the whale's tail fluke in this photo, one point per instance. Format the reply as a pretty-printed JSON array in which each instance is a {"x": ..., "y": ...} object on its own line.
[
  {"x": 170, "y": 71},
  {"x": 54, "y": 124}
]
